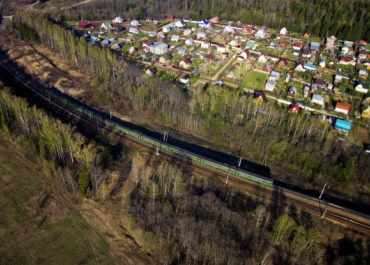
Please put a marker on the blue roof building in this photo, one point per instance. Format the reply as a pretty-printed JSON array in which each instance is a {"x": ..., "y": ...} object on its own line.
[
  {"x": 315, "y": 46},
  {"x": 342, "y": 126}
]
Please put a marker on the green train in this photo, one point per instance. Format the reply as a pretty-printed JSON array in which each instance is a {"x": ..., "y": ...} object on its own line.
[{"x": 165, "y": 146}]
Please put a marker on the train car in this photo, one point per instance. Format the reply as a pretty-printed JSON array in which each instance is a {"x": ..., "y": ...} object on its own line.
[{"x": 165, "y": 146}]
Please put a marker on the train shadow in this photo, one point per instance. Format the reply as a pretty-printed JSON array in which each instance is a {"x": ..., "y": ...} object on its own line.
[{"x": 278, "y": 201}]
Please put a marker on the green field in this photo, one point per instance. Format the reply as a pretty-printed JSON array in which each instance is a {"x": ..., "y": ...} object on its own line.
[
  {"x": 254, "y": 80},
  {"x": 36, "y": 227}
]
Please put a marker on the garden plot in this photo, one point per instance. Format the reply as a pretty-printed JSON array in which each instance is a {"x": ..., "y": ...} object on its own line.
[{"x": 254, "y": 80}]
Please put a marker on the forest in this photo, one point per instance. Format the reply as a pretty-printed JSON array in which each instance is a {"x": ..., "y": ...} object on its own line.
[
  {"x": 183, "y": 218},
  {"x": 347, "y": 19}
]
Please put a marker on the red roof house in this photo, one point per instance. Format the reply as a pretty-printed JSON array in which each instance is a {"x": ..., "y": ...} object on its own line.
[
  {"x": 83, "y": 24},
  {"x": 293, "y": 108},
  {"x": 342, "y": 107}
]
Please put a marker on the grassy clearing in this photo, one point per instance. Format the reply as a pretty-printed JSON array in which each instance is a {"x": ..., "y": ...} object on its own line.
[
  {"x": 254, "y": 80},
  {"x": 35, "y": 227}
]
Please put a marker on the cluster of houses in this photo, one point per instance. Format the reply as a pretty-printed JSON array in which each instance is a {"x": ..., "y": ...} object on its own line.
[{"x": 244, "y": 40}]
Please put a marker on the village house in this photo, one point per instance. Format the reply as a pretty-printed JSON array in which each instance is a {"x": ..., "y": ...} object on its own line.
[
  {"x": 362, "y": 42},
  {"x": 133, "y": 30},
  {"x": 342, "y": 107},
  {"x": 132, "y": 50},
  {"x": 300, "y": 67},
  {"x": 270, "y": 85},
  {"x": 214, "y": 20},
  {"x": 165, "y": 58},
  {"x": 274, "y": 75},
  {"x": 234, "y": 43},
  {"x": 330, "y": 43},
  {"x": 175, "y": 38},
  {"x": 344, "y": 50},
  {"x": 167, "y": 28},
  {"x": 247, "y": 30},
  {"x": 145, "y": 45},
  {"x": 272, "y": 45},
  {"x": 322, "y": 63},
  {"x": 117, "y": 20},
  {"x": 310, "y": 67},
  {"x": 201, "y": 35},
  {"x": 365, "y": 111},
  {"x": 221, "y": 48},
  {"x": 306, "y": 53},
  {"x": 160, "y": 35},
  {"x": 362, "y": 55},
  {"x": 292, "y": 91},
  {"x": 283, "y": 31},
  {"x": 342, "y": 126},
  {"x": 187, "y": 32},
  {"x": 106, "y": 26},
  {"x": 205, "y": 44},
  {"x": 135, "y": 23},
  {"x": 170, "y": 17},
  {"x": 317, "y": 99},
  {"x": 228, "y": 29},
  {"x": 184, "y": 79},
  {"x": 203, "y": 24},
  {"x": 260, "y": 33},
  {"x": 115, "y": 47},
  {"x": 262, "y": 58},
  {"x": 293, "y": 108},
  {"x": 181, "y": 51},
  {"x": 243, "y": 55},
  {"x": 83, "y": 24},
  {"x": 346, "y": 60},
  {"x": 208, "y": 57},
  {"x": 259, "y": 96},
  {"x": 363, "y": 74},
  {"x": 297, "y": 46},
  {"x": 189, "y": 42},
  {"x": 151, "y": 71},
  {"x": 320, "y": 83},
  {"x": 282, "y": 43},
  {"x": 158, "y": 48},
  {"x": 362, "y": 87},
  {"x": 305, "y": 91},
  {"x": 283, "y": 63},
  {"x": 251, "y": 45},
  {"x": 315, "y": 46},
  {"x": 185, "y": 63},
  {"x": 180, "y": 24}
]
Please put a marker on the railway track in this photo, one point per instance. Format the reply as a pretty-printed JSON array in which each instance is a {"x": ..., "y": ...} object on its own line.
[{"x": 337, "y": 214}]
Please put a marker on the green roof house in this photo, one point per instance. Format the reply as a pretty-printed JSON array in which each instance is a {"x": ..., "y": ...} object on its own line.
[{"x": 251, "y": 45}]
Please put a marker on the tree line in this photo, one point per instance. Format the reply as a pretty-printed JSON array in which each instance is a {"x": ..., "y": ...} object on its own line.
[
  {"x": 348, "y": 20},
  {"x": 79, "y": 167}
]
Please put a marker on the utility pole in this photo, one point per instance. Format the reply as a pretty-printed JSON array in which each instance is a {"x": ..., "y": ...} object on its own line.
[
  {"x": 326, "y": 209},
  {"x": 228, "y": 173},
  {"x": 322, "y": 191},
  {"x": 110, "y": 114},
  {"x": 157, "y": 154},
  {"x": 240, "y": 161}
]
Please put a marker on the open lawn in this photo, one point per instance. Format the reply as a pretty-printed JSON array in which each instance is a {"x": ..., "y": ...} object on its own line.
[{"x": 254, "y": 80}]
